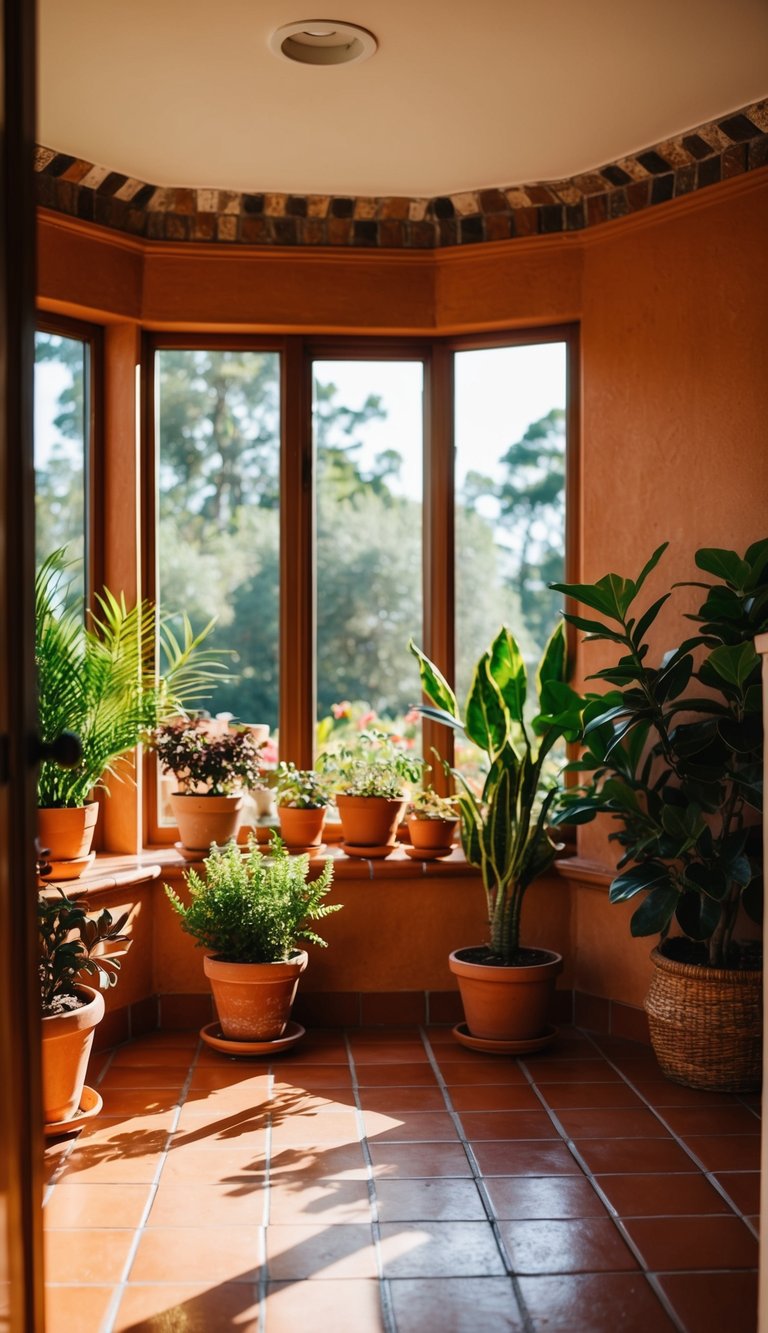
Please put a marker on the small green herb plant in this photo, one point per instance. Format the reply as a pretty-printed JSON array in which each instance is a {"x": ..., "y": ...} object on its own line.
[
  {"x": 381, "y": 769},
  {"x": 68, "y": 943},
  {"x": 253, "y": 908},
  {"x": 426, "y": 804},
  {"x": 301, "y": 788}
]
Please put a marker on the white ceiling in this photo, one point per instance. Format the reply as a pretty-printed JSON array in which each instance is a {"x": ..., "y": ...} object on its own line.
[{"x": 461, "y": 94}]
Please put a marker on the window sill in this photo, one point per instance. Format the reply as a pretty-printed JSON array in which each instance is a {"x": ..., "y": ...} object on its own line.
[
  {"x": 396, "y": 866},
  {"x": 581, "y": 871},
  {"x": 110, "y": 872}
]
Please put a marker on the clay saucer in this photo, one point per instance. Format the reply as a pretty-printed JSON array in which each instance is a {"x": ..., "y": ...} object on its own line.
[
  {"x": 319, "y": 849},
  {"x": 494, "y": 1047},
  {"x": 68, "y": 869},
  {"x": 90, "y": 1105},
  {"x": 427, "y": 853},
  {"x": 368, "y": 853},
  {"x": 212, "y": 1036},
  {"x": 199, "y": 853}
]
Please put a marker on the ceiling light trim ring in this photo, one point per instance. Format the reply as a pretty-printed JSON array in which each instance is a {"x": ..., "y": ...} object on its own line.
[{"x": 322, "y": 42}]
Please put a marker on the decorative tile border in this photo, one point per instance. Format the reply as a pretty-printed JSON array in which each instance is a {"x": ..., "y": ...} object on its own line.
[{"x": 692, "y": 161}]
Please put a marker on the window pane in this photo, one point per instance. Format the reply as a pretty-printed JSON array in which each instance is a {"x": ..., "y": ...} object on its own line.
[
  {"x": 510, "y": 498},
  {"x": 61, "y": 448},
  {"x": 367, "y": 421},
  {"x": 218, "y": 432}
]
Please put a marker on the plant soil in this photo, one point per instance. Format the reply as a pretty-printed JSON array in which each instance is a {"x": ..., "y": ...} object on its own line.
[
  {"x": 484, "y": 956},
  {"x": 746, "y": 956},
  {"x": 64, "y": 1004}
]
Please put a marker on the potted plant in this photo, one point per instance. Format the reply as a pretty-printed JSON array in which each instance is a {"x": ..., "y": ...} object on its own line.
[
  {"x": 71, "y": 943},
  {"x": 248, "y": 913},
  {"x": 432, "y": 822},
  {"x": 302, "y": 798},
  {"x": 370, "y": 780},
  {"x": 506, "y": 988},
  {"x": 680, "y": 772},
  {"x": 96, "y": 679},
  {"x": 214, "y": 763}
]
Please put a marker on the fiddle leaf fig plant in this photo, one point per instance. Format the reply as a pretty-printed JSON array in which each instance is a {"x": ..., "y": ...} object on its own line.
[
  {"x": 505, "y": 829},
  {"x": 71, "y": 943},
  {"x": 678, "y": 768}
]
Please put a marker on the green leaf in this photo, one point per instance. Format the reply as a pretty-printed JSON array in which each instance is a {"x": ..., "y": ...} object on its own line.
[
  {"x": 507, "y": 669},
  {"x": 645, "y": 876},
  {"x": 726, "y": 565},
  {"x": 734, "y": 663},
  {"x": 698, "y": 915},
  {"x": 554, "y": 660},
  {"x": 433, "y": 683},
  {"x": 589, "y": 594},
  {"x": 593, "y": 628},
  {"x": 707, "y": 880},
  {"x": 650, "y": 565},
  {"x": 752, "y": 900},
  {"x": 560, "y": 707},
  {"x": 654, "y": 915},
  {"x": 756, "y": 557},
  {"x": 485, "y": 718},
  {"x": 672, "y": 681}
]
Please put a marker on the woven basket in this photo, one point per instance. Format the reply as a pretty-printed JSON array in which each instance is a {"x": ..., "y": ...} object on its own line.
[{"x": 706, "y": 1025}]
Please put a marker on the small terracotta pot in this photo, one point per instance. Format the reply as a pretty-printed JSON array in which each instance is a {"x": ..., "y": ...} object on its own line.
[
  {"x": 369, "y": 821},
  {"x": 206, "y": 819},
  {"x": 506, "y": 1003},
  {"x": 253, "y": 1000},
  {"x": 67, "y": 833},
  {"x": 67, "y": 1041},
  {"x": 432, "y": 834},
  {"x": 301, "y": 828}
]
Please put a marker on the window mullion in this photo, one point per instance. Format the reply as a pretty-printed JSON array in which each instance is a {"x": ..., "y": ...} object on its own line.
[
  {"x": 439, "y": 540},
  {"x": 297, "y": 541}
]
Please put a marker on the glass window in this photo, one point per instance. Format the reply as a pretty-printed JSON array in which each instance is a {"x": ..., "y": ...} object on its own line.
[
  {"x": 368, "y": 439},
  {"x": 61, "y": 450},
  {"x": 218, "y": 513}
]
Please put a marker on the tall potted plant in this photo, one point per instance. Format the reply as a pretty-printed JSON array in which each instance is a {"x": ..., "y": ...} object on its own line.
[
  {"x": 371, "y": 782},
  {"x": 214, "y": 764},
  {"x": 249, "y": 913},
  {"x": 506, "y": 988},
  {"x": 72, "y": 944},
  {"x": 674, "y": 755},
  {"x": 96, "y": 678}
]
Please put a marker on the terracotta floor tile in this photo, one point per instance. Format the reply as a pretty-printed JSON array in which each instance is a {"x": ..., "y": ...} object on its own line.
[
  {"x": 498, "y": 1071},
  {"x": 146, "y": 1054},
  {"x": 701, "y": 1243},
  {"x": 660, "y": 1195},
  {"x": 533, "y": 1124},
  {"x": 235, "y": 1126},
  {"x": 712, "y": 1302},
  {"x": 209, "y": 1165},
  {"x": 410, "y": 1127},
  {"x": 402, "y": 1099},
  {"x": 157, "y": 1077},
  {"x": 433, "y": 1200},
  {"x": 493, "y": 1097},
  {"x": 627, "y": 1155},
  {"x": 441, "y": 1036},
  {"x": 743, "y": 1187},
  {"x": 312, "y": 1076},
  {"x": 308, "y": 1128},
  {"x": 686, "y": 1120},
  {"x": 582, "y": 1245},
  {"x": 297, "y": 1163},
  {"x": 387, "y": 1053},
  {"x": 416, "y": 1074},
  {"x": 87, "y": 1255},
  {"x": 76, "y": 1205},
  {"x": 310, "y": 1052},
  {"x": 199, "y": 1254},
  {"x": 726, "y": 1152},
  {"x": 322, "y": 1201},
  {"x": 245, "y": 1078},
  {"x": 621, "y": 1123},
  {"x": 183, "y": 1203},
  {"x": 97, "y": 1164},
  {"x": 663, "y": 1092},
  {"x": 527, "y": 1158},
  {"x": 409, "y": 1161},
  {"x": 440, "y": 1249},
  {"x": 352, "y": 1305},
  {"x": 455, "y": 1305},
  {"x": 343, "y": 1250},
  {"x": 580, "y": 1095},
  {"x": 543, "y": 1197},
  {"x": 594, "y": 1303},
  {"x": 573, "y": 1071},
  {"x": 139, "y": 1101},
  {"x": 193, "y": 1307},
  {"x": 298, "y": 1101},
  {"x": 76, "y": 1309}
]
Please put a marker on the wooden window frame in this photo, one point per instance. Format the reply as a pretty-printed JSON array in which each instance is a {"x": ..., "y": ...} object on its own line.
[{"x": 297, "y": 597}]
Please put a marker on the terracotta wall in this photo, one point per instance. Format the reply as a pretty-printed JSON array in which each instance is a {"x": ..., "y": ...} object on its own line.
[{"x": 673, "y": 307}]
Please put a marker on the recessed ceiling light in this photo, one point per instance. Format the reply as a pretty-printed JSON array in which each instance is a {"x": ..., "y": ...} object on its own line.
[{"x": 322, "y": 42}]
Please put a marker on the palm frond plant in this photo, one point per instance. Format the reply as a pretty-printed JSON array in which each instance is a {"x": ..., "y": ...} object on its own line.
[
  {"x": 97, "y": 678},
  {"x": 506, "y": 989}
]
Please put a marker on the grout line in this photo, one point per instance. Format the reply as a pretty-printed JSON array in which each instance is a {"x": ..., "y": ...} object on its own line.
[
  {"x": 477, "y": 1176},
  {"x": 262, "y": 1286},
  {"x": 385, "y": 1291}
]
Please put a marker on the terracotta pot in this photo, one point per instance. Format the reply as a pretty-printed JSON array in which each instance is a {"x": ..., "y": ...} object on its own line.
[
  {"x": 67, "y": 1041},
  {"x": 67, "y": 833},
  {"x": 301, "y": 828},
  {"x": 506, "y": 1003},
  {"x": 369, "y": 821},
  {"x": 706, "y": 1024},
  {"x": 432, "y": 834},
  {"x": 206, "y": 819},
  {"x": 253, "y": 1000}
]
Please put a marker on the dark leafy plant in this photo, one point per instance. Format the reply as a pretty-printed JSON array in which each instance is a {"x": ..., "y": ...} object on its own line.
[
  {"x": 253, "y": 908},
  {"x": 679, "y": 770},
  {"x": 70, "y": 944},
  {"x": 505, "y": 831},
  {"x": 98, "y": 680},
  {"x": 199, "y": 755}
]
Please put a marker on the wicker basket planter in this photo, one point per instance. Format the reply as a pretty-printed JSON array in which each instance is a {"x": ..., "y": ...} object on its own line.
[{"x": 706, "y": 1025}]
